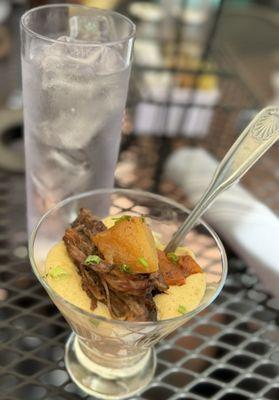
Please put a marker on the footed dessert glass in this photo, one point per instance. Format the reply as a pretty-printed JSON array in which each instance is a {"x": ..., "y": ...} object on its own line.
[{"x": 113, "y": 359}]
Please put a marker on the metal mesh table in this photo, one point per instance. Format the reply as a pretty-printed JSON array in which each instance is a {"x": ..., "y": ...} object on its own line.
[{"x": 229, "y": 351}]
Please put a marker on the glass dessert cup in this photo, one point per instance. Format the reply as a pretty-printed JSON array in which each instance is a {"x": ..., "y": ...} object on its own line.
[{"x": 114, "y": 359}]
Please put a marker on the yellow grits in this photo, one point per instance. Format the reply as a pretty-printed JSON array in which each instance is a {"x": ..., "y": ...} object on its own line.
[
  {"x": 188, "y": 296},
  {"x": 69, "y": 287}
]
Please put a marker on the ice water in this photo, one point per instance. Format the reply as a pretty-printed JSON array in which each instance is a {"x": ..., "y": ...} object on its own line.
[{"x": 74, "y": 97}]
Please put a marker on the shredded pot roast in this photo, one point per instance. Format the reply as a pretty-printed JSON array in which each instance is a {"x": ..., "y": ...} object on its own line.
[{"x": 127, "y": 296}]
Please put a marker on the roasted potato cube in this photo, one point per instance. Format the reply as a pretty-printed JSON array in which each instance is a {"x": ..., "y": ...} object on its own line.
[{"x": 129, "y": 242}]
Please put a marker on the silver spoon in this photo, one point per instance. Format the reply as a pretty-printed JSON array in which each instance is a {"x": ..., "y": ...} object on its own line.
[{"x": 255, "y": 140}]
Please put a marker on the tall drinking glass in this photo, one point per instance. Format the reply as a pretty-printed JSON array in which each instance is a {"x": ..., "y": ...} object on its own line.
[
  {"x": 75, "y": 65},
  {"x": 114, "y": 359}
]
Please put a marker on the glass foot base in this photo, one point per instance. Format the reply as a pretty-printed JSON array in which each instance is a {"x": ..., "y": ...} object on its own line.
[{"x": 105, "y": 383}]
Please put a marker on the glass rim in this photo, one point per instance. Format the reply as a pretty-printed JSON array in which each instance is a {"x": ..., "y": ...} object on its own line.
[
  {"x": 154, "y": 196},
  {"x": 129, "y": 36}
]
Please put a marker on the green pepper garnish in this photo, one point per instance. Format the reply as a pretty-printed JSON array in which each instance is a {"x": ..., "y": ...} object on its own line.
[
  {"x": 143, "y": 262},
  {"x": 58, "y": 272},
  {"x": 93, "y": 259},
  {"x": 125, "y": 268},
  {"x": 173, "y": 257},
  {"x": 181, "y": 309}
]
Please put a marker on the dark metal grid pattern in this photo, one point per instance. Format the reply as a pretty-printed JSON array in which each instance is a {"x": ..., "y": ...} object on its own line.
[
  {"x": 234, "y": 110},
  {"x": 229, "y": 351}
]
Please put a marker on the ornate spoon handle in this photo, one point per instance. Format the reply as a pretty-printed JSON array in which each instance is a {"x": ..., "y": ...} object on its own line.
[{"x": 255, "y": 140}]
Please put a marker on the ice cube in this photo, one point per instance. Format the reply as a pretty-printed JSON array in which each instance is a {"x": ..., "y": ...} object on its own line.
[
  {"x": 60, "y": 173},
  {"x": 106, "y": 60},
  {"x": 65, "y": 63},
  {"x": 37, "y": 49},
  {"x": 97, "y": 28},
  {"x": 70, "y": 131},
  {"x": 80, "y": 91}
]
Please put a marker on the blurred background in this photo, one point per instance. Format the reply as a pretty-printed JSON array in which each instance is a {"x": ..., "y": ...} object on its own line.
[{"x": 202, "y": 68}]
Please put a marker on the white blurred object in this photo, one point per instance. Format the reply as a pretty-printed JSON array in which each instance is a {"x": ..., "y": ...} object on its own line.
[
  {"x": 247, "y": 225},
  {"x": 5, "y": 10},
  {"x": 146, "y": 11},
  {"x": 150, "y": 118},
  {"x": 148, "y": 53},
  {"x": 163, "y": 89}
]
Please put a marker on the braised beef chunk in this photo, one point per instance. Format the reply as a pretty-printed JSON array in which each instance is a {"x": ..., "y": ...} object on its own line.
[
  {"x": 78, "y": 238},
  {"x": 151, "y": 307},
  {"x": 102, "y": 267},
  {"x": 133, "y": 284},
  {"x": 91, "y": 284},
  {"x": 158, "y": 282},
  {"x": 127, "y": 296},
  {"x": 78, "y": 245},
  {"x": 88, "y": 223}
]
